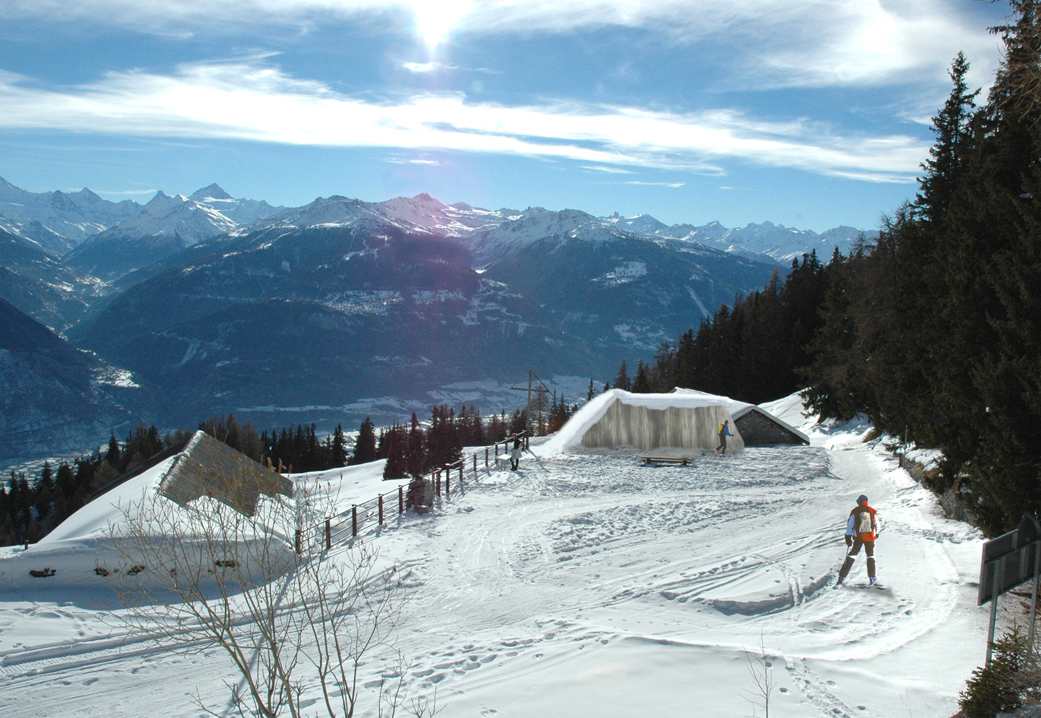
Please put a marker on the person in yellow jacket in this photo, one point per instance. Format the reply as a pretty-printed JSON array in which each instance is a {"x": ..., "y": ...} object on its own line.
[{"x": 724, "y": 432}]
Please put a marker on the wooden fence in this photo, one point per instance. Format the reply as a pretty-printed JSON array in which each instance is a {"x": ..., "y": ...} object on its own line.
[{"x": 373, "y": 513}]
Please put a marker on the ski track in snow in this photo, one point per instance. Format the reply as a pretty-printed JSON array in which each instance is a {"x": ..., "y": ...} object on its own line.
[{"x": 581, "y": 558}]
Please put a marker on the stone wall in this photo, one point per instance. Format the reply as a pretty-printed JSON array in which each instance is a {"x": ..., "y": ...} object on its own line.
[
  {"x": 953, "y": 503},
  {"x": 758, "y": 430}
]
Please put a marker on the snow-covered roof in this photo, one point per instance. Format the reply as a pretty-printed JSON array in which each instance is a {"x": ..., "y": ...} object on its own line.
[
  {"x": 739, "y": 408},
  {"x": 733, "y": 405}
]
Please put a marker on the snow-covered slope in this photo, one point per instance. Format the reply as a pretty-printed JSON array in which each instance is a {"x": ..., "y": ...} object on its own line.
[
  {"x": 584, "y": 585},
  {"x": 517, "y": 232},
  {"x": 56, "y": 398}
]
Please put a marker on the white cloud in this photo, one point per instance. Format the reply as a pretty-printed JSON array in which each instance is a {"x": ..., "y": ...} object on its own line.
[
  {"x": 673, "y": 185},
  {"x": 608, "y": 170},
  {"x": 252, "y": 101},
  {"x": 773, "y": 42},
  {"x": 422, "y": 68}
]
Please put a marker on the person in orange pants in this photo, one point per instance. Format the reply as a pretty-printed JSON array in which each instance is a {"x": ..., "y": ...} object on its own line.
[{"x": 861, "y": 530}]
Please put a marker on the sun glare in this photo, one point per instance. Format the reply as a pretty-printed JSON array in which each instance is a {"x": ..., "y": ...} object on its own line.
[{"x": 435, "y": 19}]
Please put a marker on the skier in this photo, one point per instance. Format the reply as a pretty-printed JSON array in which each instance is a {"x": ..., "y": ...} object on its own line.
[
  {"x": 724, "y": 432},
  {"x": 516, "y": 454},
  {"x": 861, "y": 530}
]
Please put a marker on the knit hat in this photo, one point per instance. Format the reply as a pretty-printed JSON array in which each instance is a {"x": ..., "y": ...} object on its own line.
[{"x": 862, "y": 499}]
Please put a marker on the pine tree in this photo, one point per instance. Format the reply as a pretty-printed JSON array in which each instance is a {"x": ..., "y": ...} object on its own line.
[
  {"x": 338, "y": 449},
  {"x": 621, "y": 380},
  {"x": 365, "y": 445},
  {"x": 416, "y": 453},
  {"x": 943, "y": 169},
  {"x": 66, "y": 499},
  {"x": 113, "y": 454},
  {"x": 394, "y": 442},
  {"x": 642, "y": 380}
]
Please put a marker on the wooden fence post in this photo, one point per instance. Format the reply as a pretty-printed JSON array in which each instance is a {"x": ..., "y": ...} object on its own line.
[
  {"x": 381, "y": 509},
  {"x": 328, "y": 535},
  {"x": 486, "y": 457},
  {"x": 401, "y": 499},
  {"x": 448, "y": 483},
  {"x": 475, "y": 463},
  {"x": 354, "y": 520},
  {"x": 437, "y": 482},
  {"x": 299, "y": 535}
]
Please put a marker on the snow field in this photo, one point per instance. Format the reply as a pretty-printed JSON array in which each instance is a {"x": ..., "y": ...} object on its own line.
[{"x": 588, "y": 585}]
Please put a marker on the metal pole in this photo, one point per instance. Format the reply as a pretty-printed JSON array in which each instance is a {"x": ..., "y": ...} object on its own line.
[
  {"x": 993, "y": 610},
  {"x": 1033, "y": 596}
]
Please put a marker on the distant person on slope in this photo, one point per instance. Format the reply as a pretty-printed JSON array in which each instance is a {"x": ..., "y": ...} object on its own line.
[
  {"x": 861, "y": 530},
  {"x": 724, "y": 432},
  {"x": 516, "y": 454}
]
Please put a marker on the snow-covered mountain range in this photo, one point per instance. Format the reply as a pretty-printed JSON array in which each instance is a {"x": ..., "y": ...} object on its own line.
[
  {"x": 755, "y": 241},
  {"x": 73, "y": 215},
  {"x": 165, "y": 226},
  {"x": 219, "y": 304}
]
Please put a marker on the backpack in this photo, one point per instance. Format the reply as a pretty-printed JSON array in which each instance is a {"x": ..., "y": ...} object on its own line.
[{"x": 862, "y": 524}]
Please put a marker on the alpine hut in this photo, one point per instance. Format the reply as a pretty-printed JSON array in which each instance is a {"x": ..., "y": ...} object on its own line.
[{"x": 649, "y": 422}]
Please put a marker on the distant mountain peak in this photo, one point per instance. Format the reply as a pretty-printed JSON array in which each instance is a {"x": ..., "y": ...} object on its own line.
[{"x": 213, "y": 191}]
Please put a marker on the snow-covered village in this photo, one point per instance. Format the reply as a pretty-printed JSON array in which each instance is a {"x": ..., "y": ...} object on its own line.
[{"x": 740, "y": 416}]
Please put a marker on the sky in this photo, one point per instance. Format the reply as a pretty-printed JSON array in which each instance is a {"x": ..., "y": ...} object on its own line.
[{"x": 807, "y": 113}]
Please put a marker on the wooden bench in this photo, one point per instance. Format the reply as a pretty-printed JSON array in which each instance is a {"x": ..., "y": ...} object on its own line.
[{"x": 668, "y": 455}]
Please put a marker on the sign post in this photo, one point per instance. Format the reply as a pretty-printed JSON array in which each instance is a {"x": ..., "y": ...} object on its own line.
[{"x": 1008, "y": 561}]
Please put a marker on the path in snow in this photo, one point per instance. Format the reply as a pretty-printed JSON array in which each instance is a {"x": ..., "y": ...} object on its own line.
[
  {"x": 586, "y": 560},
  {"x": 587, "y": 585}
]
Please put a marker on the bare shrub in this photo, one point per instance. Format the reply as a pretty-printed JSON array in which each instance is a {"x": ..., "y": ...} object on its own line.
[{"x": 214, "y": 577}]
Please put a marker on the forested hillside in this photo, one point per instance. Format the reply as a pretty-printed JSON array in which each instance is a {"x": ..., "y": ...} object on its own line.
[{"x": 933, "y": 330}]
